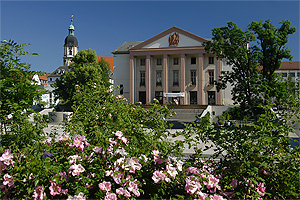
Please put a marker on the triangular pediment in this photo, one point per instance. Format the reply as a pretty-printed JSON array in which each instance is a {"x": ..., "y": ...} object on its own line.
[{"x": 173, "y": 37}]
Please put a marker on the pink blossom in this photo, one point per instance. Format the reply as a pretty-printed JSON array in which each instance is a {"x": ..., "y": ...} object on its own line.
[
  {"x": 192, "y": 170},
  {"x": 109, "y": 115},
  {"x": 132, "y": 164},
  {"x": 132, "y": 186},
  {"x": 106, "y": 186},
  {"x": 216, "y": 197},
  {"x": 121, "y": 191},
  {"x": 192, "y": 185},
  {"x": 110, "y": 196},
  {"x": 48, "y": 141},
  {"x": 97, "y": 149},
  {"x": 265, "y": 173},
  {"x": 136, "y": 193},
  {"x": 55, "y": 189},
  {"x": 63, "y": 138},
  {"x": 261, "y": 188},
  {"x": 6, "y": 157},
  {"x": 158, "y": 176},
  {"x": 171, "y": 170},
  {"x": 119, "y": 96},
  {"x": 201, "y": 195},
  {"x": 78, "y": 143},
  {"x": 112, "y": 141},
  {"x": 117, "y": 177},
  {"x": 39, "y": 193},
  {"x": 76, "y": 169},
  {"x": 212, "y": 182},
  {"x": 155, "y": 153},
  {"x": 176, "y": 101},
  {"x": 119, "y": 134},
  {"x": 80, "y": 196},
  {"x": 8, "y": 180},
  {"x": 2, "y": 166},
  {"x": 62, "y": 175},
  {"x": 72, "y": 159},
  {"x": 124, "y": 139}
]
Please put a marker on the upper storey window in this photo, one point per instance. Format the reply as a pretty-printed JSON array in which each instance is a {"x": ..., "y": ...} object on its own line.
[
  {"x": 143, "y": 62},
  {"x": 158, "y": 61},
  {"x": 193, "y": 60},
  {"x": 175, "y": 61},
  {"x": 211, "y": 60}
]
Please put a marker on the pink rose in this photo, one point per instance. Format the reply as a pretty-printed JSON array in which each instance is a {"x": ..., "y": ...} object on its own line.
[
  {"x": 7, "y": 157},
  {"x": 8, "y": 180},
  {"x": 39, "y": 193},
  {"x": 106, "y": 186}
]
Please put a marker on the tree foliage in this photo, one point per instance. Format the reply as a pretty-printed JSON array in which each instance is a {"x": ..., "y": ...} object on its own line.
[
  {"x": 85, "y": 71},
  {"x": 18, "y": 90},
  {"x": 254, "y": 55}
]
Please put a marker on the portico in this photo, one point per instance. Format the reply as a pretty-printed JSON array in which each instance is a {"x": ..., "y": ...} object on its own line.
[{"x": 172, "y": 64}]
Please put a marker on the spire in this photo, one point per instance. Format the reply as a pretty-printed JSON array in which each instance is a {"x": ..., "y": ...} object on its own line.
[{"x": 71, "y": 27}]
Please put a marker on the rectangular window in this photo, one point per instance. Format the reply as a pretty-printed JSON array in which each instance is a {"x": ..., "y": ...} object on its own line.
[
  {"x": 159, "y": 96},
  {"x": 175, "y": 61},
  {"x": 193, "y": 77},
  {"x": 142, "y": 80},
  {"x": 121, "y": 88},
  {"x": 158, "y": 78},
  {"x": 211, "y": 60},
  {"x": 284, "y": 74},
  {"x": 175, "y": 78},
  {"x": 158, "y": 61},
  {"x": 143, "y": 62},
  {"x": 211, "y": 77},
  {"x": 193, "y": 60},
  {"x": 292, "y": 74}
]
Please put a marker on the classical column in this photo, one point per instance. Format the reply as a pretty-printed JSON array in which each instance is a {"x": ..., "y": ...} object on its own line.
[
  {"x": 219, "y": 94},
  {"x": 131, "y": 85},
  {"x": 182, "y": 78},
  {"x": 148, "y": 80},
  {"x": 165, "y": 77},
  {"x": 200, "y": 79}
]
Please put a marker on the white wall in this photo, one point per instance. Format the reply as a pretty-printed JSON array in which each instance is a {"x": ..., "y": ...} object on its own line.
[{"x": 121, "y": 73}]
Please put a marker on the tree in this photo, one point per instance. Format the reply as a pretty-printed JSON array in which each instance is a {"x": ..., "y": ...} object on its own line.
[
  {"x": 85, "y": 71},
  {"x": 17, "y": 88},
  {"x": 253, "y": 65}
]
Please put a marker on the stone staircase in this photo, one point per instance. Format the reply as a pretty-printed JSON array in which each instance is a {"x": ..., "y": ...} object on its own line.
[{"x": 186, "y": 115}]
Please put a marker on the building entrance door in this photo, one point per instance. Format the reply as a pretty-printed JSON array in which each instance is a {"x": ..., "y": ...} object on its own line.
[
  {"x": 142, "y": 97},
  {"x": 193, "y": 98},
  {"x": 211, "y": 97}
]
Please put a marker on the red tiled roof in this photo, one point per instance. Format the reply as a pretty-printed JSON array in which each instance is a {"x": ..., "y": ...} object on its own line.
[
  {"x": 295, "y": 65},
  {"x": 108, "y": 59}
]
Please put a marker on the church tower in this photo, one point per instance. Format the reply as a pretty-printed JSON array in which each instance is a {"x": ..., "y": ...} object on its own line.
[{"x": 70, "y": 46}]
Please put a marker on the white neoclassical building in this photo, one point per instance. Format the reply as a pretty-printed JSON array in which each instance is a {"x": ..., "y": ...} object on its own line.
[{"x": 172, "y": 64}]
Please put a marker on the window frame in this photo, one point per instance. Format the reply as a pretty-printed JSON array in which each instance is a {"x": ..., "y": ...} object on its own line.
[
  {"x": 142, "y": 79},
  {"x": 158, "y": 83},
  {"x": 193, "y": 59},
  {"x": 142, "y": 62},
  {"x": 159, "y": 61},
  {"x": 175, "y": 83},
  {"x": 211, "y": 60},
  {"x": 175, "y": 61},
  {"x": 211, "y": 77},
  {"x": 193, "y": 77}
]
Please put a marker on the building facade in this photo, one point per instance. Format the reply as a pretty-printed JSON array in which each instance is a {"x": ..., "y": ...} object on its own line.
[{"x": 171, "y": 65}]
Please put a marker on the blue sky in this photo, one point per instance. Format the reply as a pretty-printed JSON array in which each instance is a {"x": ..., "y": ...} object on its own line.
[{"x": 105, "y": 25}]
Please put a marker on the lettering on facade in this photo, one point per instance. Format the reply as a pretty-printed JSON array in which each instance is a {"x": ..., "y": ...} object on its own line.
[{"x": 174, "y": 39}]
